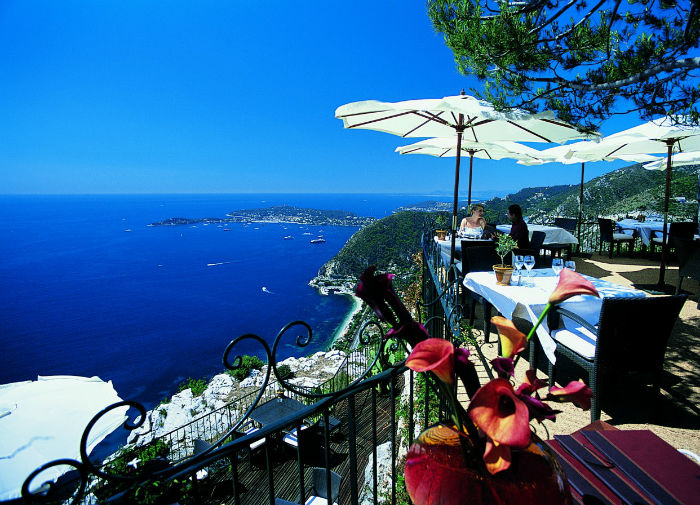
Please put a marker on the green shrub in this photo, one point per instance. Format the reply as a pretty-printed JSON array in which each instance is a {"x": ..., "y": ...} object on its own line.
[
  {"x": 198, "y": 386},
  {"x": 284, "y": 372},
  {"x": 248, "y": 363}
]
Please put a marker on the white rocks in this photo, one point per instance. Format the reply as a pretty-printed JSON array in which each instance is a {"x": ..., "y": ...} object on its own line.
[
  {"x": 383, "y": 476},
  {"x": 184, "y": 408},
  {"x": 254, "y": 379}
]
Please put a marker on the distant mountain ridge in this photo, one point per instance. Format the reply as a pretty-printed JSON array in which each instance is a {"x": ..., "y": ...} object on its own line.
[{"x": 628, "y": 190}]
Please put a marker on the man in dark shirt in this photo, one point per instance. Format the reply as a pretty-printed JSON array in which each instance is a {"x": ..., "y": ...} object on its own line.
[{"x": 518, "y": 229}]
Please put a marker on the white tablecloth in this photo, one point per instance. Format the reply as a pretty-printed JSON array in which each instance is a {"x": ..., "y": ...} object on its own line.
[
  {"x": 553, "y": 234},
  {"x": 446, "y": 244},
  {"x": 528, "y": 300},
  {"x": 645, "y": 229}
]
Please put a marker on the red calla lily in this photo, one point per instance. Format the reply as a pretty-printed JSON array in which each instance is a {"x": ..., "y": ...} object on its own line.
[
  {"x": 576, "y": 392},
  {"x": 531, "y": 383},
  {"x": 435, "y": 355},
  {"x": 496, "y": 457},
  {"x": 571, "y": 284},
  {"x": 500, "y": 414},
  {"x": 513, "y": 340}
]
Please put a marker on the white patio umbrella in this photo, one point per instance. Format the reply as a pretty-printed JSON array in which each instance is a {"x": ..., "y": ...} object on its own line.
[
  {"x": 677, "y": 160},
  {"x": 562, "y": 154},
  {"x": 462, "y": 115},
  {"x": 446, "y": 147},
  {"x": 657, "y": 136},
  {"x": 43, "y": 420}
]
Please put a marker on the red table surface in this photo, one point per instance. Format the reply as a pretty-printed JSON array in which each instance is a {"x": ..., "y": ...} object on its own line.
[{"x": 676, "y": 473}]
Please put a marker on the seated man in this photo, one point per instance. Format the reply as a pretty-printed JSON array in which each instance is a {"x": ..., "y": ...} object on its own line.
[{"x": 518, "y": 229}]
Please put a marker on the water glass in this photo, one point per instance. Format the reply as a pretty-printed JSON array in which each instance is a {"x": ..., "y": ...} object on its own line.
[
  {"x": 518, "y": 262},
  {"x": 529, "y": 262},
  {"x": 557, "y": 265},
  {"x": 570, "y": 264}
]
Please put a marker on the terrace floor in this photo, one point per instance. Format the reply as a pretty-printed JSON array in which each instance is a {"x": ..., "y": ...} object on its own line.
[{"x": 676, "y": 416}]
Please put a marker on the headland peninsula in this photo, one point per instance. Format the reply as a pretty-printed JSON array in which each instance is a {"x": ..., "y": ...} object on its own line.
[{"x": 278, "y": 214}]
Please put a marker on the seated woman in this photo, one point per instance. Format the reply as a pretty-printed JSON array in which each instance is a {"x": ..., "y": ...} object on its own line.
[{"x": 476, "y": 220}]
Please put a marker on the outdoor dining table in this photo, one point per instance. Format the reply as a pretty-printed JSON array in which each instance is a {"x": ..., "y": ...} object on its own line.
[
  {"x": 645, "y": 229},
  {"x": 527, "y": 300},
  {"x": 275, "y": 409},
  {"x": 553, "y": 234},
  {"x": 625, "y": 466},
  {"x": 446, "y": 244}
]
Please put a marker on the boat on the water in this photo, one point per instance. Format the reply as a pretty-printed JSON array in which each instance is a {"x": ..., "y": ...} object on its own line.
[
  {"x": 319, "y": 240},
  {"x": 288, "y": 237}
]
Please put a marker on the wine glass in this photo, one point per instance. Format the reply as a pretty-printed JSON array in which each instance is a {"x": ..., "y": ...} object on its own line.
[
  {"x": 529, "y": 262},
  {"x": 557, "y": 265},
  {"x": 570, "y": 264},
  {"x": 518, "y": 262}
]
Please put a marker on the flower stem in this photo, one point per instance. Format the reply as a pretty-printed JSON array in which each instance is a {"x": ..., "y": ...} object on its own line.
[{"x": 539, "y": 321}]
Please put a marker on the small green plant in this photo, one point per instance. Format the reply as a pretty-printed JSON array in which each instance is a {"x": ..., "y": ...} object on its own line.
[
  {"x": 284, "y": 372},
  {"x": 198, "y": 386},
  {"x": 163, "y": 413},
  {"x": 440, "y": 220},
  {"x": 247, "y": 364},
  {"x": 504, "y": 246}
]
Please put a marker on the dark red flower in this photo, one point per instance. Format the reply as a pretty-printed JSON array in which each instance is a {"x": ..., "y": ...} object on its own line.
[
  {"x": 571, "y": 284},
  {"x": 377, "y": 291},
  {"x": 412, "y": 332},
  {"x": 435, "y": 355},
  {"x": 575, "y": 391},
  {"x": 538, "y": 409},
  {"x": 503, "y": 367},
  {"x": 374, "y": 290},
  {"x": 531, "y": 383},
  {"x": 466, "y": 371},
  {"x": 500, "y": 414}
]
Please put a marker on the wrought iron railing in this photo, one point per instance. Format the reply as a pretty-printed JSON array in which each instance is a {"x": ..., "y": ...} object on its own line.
[{"x": 213, "y": 424}]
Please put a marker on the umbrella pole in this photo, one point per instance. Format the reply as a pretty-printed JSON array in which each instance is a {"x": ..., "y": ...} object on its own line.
[
  {"x": 460, "y": 129},
  {"x": 580, "y": 209},
  {"x": 664, "y": 239},
  {"x": 469, "y": 195}
]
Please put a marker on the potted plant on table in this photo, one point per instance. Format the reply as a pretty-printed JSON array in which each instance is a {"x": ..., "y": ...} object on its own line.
[
  {"x": 504, "y": 246},
  {"x": 440, "y": 226}
]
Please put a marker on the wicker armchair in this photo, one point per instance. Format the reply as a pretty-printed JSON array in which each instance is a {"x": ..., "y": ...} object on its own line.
[{"x": 631, "y": 336}]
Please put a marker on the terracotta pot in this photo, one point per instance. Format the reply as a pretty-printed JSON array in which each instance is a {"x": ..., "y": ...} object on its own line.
[
  {"x": 441, "y": 234},
  {"x": 503, "y": 274},
  {"x": 436, "y": 470}
]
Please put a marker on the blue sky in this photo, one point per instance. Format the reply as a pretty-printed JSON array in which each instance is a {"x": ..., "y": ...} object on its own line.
[{"x": 226, "y": 97}]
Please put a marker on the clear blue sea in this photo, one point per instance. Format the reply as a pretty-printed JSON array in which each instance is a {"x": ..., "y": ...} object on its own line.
[{"x": 150, "y": 307}]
